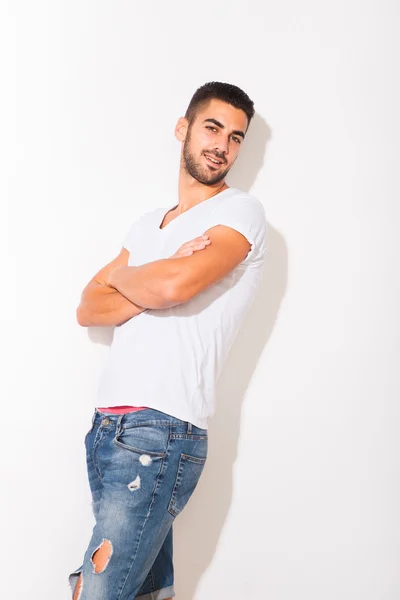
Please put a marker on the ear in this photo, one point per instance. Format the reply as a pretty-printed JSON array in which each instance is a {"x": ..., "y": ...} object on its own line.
[{"x": 181, "y": 129}]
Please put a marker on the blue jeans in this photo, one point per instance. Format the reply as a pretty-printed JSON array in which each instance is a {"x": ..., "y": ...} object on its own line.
[{"x": 142, "y": 468}]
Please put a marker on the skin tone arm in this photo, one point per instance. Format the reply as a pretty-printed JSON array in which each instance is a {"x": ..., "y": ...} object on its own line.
[
  {"x": 102, "y": 304},
  {"x": 165, "y": 283}
]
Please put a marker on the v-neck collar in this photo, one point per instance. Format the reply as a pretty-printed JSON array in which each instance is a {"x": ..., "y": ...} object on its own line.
[{"x": 186, "y": 211}]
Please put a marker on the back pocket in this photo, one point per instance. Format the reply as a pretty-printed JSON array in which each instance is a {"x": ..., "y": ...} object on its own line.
[{"x": 189, "y": 471}]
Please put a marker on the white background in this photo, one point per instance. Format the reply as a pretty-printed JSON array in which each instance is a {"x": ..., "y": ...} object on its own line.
[{"x": 300, "y": 496}]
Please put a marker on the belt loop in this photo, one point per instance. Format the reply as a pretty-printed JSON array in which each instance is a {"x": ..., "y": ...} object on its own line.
[
  {"x": 119, "y": 424},
  {"x": 190, "y": 428}
]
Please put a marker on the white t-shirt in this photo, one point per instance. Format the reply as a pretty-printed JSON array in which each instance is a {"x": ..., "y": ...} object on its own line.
[{"x": 170, "y": 359}]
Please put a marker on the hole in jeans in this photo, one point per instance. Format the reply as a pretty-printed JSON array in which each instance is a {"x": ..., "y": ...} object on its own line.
[{"x": 101, "y": 557}]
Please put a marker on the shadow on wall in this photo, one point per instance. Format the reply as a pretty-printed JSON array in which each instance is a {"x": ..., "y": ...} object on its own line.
[
  {"x": 198, "y": 529},
  {"x": 251, "y": 157}
]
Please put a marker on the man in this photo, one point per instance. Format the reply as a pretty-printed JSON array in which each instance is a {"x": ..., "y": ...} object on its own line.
[{"x": 177, "y": 294}]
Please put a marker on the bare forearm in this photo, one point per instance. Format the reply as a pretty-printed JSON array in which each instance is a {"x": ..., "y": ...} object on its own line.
[
  {"x": 102, "y": 305},
  {"x": 152, "y": 285}
]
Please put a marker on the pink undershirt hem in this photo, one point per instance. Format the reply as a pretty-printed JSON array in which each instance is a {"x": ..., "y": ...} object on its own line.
[{"x": 120, "y": 410}]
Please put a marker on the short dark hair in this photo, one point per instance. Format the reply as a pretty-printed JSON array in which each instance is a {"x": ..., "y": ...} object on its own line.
[{"x": 231, "y": 94}]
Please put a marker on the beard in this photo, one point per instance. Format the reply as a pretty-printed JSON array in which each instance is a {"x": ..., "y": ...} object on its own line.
[{"x": 199, "y": 171}]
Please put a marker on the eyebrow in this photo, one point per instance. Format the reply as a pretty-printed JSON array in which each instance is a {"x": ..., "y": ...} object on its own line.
[{"x": 218, "y": 124}]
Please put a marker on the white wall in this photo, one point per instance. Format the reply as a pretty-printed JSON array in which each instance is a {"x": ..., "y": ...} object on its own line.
[{"x": 299, "y": 498}]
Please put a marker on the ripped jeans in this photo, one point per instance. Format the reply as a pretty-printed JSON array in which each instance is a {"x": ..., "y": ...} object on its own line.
[{"x": 142, "y": 467}]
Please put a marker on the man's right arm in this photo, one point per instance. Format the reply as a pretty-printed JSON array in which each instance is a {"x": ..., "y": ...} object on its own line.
[{"x": 103, "y": 305}]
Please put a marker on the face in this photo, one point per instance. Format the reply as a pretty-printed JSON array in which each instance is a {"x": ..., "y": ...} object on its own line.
[{"x": 212, "y": 142}]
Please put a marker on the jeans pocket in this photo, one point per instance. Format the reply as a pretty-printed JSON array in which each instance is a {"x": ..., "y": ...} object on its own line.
[
  {"x": 144, "y": 439},
  {"x": 189, "y": 471}
]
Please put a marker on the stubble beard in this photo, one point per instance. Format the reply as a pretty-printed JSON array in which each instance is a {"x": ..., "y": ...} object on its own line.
[{"x": 196, "y": 170}]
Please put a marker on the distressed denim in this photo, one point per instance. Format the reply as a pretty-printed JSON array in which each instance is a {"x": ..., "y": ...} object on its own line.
[{"x": 142, "y": 469}]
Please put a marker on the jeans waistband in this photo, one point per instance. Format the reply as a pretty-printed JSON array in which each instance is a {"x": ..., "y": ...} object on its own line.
[{"x": 146, "y": 415}]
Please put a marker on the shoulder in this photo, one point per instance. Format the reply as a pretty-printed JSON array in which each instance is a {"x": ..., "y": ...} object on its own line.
[
  {"x": 244, "y": 213},
  {"x": 237, "y": 200},
  {"x": 236, "y": 205}
]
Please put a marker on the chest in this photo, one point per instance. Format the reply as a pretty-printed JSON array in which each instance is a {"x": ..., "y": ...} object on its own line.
[{"x": 150, "y": 243}]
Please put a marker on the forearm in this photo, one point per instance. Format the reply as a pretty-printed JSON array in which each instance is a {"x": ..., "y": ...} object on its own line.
[
  {"x": 152, "y": 285},
  {"x": 102, "y": 305}
]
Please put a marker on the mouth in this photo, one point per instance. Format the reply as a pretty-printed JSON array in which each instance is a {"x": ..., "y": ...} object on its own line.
[{"x": 212, "y": 161}]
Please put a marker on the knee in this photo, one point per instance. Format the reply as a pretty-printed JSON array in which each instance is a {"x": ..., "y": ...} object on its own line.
[{"x": 99, "y": 559}]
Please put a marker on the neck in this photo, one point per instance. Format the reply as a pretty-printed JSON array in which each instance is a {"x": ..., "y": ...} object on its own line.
[{"x": 192, "y": 192}]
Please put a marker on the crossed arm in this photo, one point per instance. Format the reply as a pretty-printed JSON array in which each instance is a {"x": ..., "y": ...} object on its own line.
[{"x": 119, "y": 292}]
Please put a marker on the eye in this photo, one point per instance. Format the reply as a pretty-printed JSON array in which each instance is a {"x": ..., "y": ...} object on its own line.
[
  {"x": 236, "y": 139},
  {"x": 211, "y": 128}
]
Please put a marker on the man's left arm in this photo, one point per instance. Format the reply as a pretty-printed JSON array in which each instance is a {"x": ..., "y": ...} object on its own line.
[{"x": 171, "y": 281}]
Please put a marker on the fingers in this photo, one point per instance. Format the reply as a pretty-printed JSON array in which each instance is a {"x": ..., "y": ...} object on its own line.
[
  {"x": 188, "y": 248},
  {"x": 197, "y": 244}
]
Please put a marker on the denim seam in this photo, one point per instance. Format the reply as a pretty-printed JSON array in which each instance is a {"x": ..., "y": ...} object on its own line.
[
  {"x": 137, "y": 450},
  {"x": 140, "y": 423},
  {"x": 185, "y": 436},
  {"x": 178, "y": 479},
  {"x": 96, "y": 452},
  {"x": 194, "y": 459},
  {"x": 172, "y": 506},
  {"x": 152, "y": 582}
]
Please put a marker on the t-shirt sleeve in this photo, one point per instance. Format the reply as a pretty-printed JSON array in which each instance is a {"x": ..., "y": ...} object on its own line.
[
  {"x": 246, "y": 215},
  {"x": 131, "y": 235}
]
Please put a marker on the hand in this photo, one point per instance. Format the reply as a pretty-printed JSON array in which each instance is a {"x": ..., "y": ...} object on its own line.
[
  {"x": 109, "y": 279},
  {"x": 189, "y": 248}
]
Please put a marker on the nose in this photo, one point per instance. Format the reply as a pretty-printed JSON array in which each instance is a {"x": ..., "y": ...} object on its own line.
[{"x": 223, "y": 145}]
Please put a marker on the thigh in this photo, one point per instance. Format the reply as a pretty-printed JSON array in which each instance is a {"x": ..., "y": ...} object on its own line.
[{"x": 131, "y": 523}]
